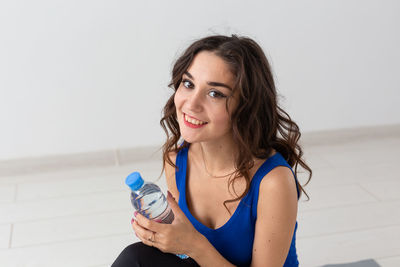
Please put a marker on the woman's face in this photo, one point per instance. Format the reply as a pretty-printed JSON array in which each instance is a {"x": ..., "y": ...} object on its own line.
[{"x": 200, "y": 100}]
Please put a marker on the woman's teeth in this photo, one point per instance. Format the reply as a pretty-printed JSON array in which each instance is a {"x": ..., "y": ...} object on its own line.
[{"x": 194, "y": 121}]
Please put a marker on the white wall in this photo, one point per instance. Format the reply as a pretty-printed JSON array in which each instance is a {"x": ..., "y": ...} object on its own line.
[{"x": 79, "y": 76}]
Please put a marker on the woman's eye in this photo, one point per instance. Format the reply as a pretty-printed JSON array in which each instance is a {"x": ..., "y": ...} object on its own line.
[
  {"x": 216, "y": 94},
  {"x": 187, "y": 84},
  {"x": 211, "y": 93}
]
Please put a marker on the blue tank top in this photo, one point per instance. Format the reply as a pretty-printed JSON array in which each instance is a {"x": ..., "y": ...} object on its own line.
[{"x": 234, "y": 240}]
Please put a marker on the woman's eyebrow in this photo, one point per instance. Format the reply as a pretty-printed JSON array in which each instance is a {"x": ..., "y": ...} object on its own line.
[{"x": 210, "y": 83}]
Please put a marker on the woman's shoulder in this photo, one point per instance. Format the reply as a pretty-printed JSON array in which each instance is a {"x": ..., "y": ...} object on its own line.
[
  {"x": 279, "y": 185},
  {"x": 172, "y": 156},
  {"x": 280, "y": 177}
]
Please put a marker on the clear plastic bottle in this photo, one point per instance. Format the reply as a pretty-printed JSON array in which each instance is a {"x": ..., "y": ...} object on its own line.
[{"x": 148, "y": 199}]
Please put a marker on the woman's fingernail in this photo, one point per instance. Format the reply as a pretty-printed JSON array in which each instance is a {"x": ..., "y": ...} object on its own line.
[
  {"x": 170, "y": 195},
  {"x": 132, "y": 221},
  {"x": 135, "y": 213}
]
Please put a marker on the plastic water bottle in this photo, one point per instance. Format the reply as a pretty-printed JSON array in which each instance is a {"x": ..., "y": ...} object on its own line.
[{"x": 148, "y": 200}]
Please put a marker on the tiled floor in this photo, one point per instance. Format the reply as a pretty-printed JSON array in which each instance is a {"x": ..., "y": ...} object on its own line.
[{"x": 81, "y": 217}]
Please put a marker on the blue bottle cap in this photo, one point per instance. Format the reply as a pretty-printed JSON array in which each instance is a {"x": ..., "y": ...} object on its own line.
[{"x": 134, "y": 181}]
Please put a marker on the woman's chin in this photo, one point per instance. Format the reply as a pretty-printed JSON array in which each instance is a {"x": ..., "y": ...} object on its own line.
[{"x": 190, "y": 139}]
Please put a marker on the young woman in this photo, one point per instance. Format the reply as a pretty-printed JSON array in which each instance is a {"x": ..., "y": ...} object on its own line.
[{"x": 228, "y": 162}]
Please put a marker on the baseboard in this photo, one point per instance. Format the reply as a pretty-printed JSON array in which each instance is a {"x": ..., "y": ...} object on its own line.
[
  {"x": 129, "y": 155},
  {"x": 349, "y": 135},
  {"x": 104, "y": 158}
]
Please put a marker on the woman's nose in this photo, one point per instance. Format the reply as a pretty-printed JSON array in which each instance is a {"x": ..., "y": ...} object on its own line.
[{"x": 194, "y": 102}]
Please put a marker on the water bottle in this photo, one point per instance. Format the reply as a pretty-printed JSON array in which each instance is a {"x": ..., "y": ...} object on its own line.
[{"x": 148, "y": 200}]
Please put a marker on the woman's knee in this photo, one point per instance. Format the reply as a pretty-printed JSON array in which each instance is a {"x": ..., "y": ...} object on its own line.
[
  {"x": 133, "y": 255},
  {"x": 141, "y": 255}
]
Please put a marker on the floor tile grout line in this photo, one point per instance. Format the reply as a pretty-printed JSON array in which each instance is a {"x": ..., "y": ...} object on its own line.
[
  {"x": 11, "y": 234},
  {"x": 349, "y": 231},
  {"x": 123, "y": 190},
  {"x": 349, "y": 205},
  {"x": 299, "y": 238},
  {"x": 52, "y": 181},
  {"x": 63, "y": 178},
  {"x": 66, "y": 196},
  {"x": 370, "y": 193},
  {"x": 15, "y": 193},
  {"x": 312, "y": 210},
  {"x": 127, "y": 209},
  {"x": 69, "y": 216},
  {"x": 344, "y": 184},
  {"x": 33, "y": 200},
  {"x": 70, "y": 240}
]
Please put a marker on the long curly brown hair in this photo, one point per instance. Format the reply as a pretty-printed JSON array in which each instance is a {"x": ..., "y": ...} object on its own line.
[{"x": 259, "y": 124}]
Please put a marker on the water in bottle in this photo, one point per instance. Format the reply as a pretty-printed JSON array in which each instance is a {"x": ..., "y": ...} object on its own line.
[{"x": 148, "y": 200}]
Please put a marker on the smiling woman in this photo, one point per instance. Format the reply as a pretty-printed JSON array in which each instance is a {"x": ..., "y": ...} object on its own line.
[
  {"x": 202, "y": 97},
  {"x": 228, "y": 161}
]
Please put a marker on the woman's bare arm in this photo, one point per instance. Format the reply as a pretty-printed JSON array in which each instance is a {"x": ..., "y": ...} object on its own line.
[{"x": 276, "y": 218}]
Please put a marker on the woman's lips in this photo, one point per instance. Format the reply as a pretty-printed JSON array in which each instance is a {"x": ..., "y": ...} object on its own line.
[{"x": 194, "y": 122}]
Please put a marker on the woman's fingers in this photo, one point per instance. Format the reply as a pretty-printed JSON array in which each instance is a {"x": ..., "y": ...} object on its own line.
[
  {"x": 148, "y": 224},
  {"x": 146, "y": 236},
  {"x": 167, "y": 237},
  {"x": 140, "y": 231},
  {"x": 180, "y": 216},
  {"x": 174, "y": 206}
]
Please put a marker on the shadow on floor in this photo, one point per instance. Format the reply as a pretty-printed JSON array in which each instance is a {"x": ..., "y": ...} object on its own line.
[{"x": 363, "y": 263}]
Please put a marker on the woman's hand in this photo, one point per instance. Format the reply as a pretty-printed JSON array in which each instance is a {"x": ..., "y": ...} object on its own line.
[{"x": 176, "y": 238}]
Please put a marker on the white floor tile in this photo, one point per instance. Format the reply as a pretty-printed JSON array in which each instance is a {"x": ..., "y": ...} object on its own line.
[
  {"x": 348, "y": 218},
  {"x": 334, "y": 196},
  {"x": 70, "y": 187},
  {"x": 336, "y": 176},
  {"x": 72, "y": 228},
  {"x": 5, "y": 232},
  {"x": 66, "y": 206},
  {"x": 77, "y": 253},
  {"x": 67, "y": 187},
  {"x": 7, "y": 193},
  {"x": 362, "y": 153},
  {"x": 349, "y": 247},
  {"x": 314, "y": 160},
  {"x": 380, "y": 172},
  {"x": 389, "y": 262},
  {"x": 110, "y": 171},
  {"x": 344, "y": 175},
  {"x": 384, "y": 190}
]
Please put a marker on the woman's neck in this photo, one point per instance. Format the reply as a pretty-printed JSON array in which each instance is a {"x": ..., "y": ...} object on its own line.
[{"x": 217, "y": 157}]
